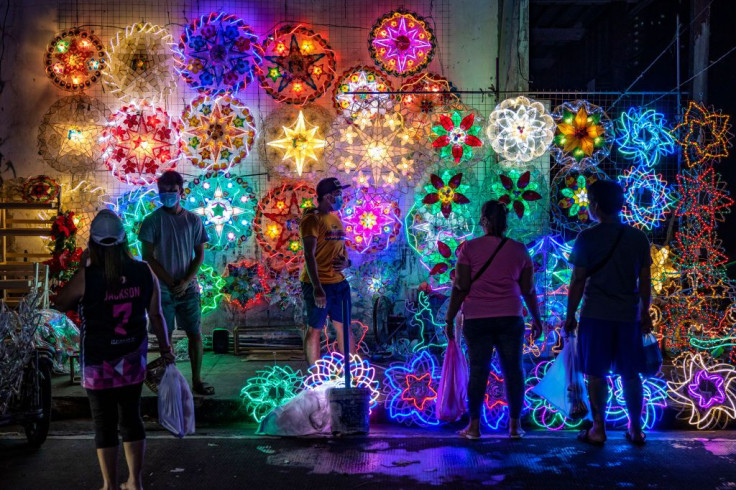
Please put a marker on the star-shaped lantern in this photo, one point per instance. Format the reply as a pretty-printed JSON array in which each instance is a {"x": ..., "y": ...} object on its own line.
[
  {"x": 301, "y": 142},
  {"x": 299, "y": 65},
  {"x": 704, "y": 135},
  {"x": 358, "y": 92},
  {"x": 455, "y": 136},
  {"x": 401, "y": 43},
  {"x": 412, "y": 390},
  {"x": 446, "y": 194}
]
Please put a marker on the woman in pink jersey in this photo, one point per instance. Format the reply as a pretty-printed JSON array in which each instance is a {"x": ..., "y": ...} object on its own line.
[
  {"x": 493, "y": 273},
  {"x": 117, "y": 296}
]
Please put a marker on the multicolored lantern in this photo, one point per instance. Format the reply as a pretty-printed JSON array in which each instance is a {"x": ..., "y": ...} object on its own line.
[
  {"x": 299, "y": 65},
  {"x": 140, "y": 65},
  {"x": 663, "y": 269},
  {"x": 372, "y": 222},
  {"x": 412, "y": 390},
  {"x": 584, "y": 134},
  {"x": 455, "y": 137},
  {"x": 218, "y": 53},
  {"x": 643, "y": 136},
  {"x": 74, "y": 59},
  {"x": 210, "y": 288},
  {"x": 277, "y": 223},
  {"x": 357, "y": 93},
  {"x": 520, "y": 129},
  {"x": 227, "y": 206},
  {"x": 425, "y": 93},
  {"x": 40, "y": 189},
  {"x": 330, "y": 371},
  {"x": 69, "y": 133},
  {"x": 654, "y": 391},
  {"x": 647, "y": 198},
  {"x": 569, "y": 194},
  {"x": 378, "y": 276},
  {"x": 401, "y": 43},
  {"x": 216, "y": 133},
  {"x": 704, "y": 135},
  {"x": 245, "y": 284},
  {"x": 133, "y": 207},
  {"x": 139, "y": 143},
  {"x": 521, "y": 190}
]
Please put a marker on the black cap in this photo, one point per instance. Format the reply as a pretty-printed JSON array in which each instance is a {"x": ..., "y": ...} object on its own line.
[{"x": 328, "y": 185}]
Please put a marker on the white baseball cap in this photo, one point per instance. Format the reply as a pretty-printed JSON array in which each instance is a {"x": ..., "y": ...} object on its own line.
[{"x": 107, "y": 229}]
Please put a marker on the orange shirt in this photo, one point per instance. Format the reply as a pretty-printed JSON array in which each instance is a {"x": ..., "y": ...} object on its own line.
[{"x": 330, "y": 244}]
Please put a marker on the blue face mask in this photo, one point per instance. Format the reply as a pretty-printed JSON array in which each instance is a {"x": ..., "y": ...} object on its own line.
[
  {"x": 338, "y": 203},
  {"x": 169, "y": 199}
]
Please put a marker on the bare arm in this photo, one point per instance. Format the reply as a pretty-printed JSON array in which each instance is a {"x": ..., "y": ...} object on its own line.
[
  {"x": 158, "y": 322},
  {"x": 645, "y": 298},
  {"x": 147, "y": 250},
  {"x": 310, "y": 260},
  {"x": 195, "y": 265},
  {"x": 460, "y": 289},
  {"x": 574, "y": 296},
  {"x": 72, "y": 293},
  {"x": 529, "y": 293}
]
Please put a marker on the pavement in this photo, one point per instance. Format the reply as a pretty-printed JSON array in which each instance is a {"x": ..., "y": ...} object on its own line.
[{"x": 231, "y": 456}]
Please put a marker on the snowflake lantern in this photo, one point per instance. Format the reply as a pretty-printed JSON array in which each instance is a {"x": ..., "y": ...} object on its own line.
[
  {"x": 218, "y": 54},
  {"x": 378, "y": 276},
  {"x": 643, "y": 137},
  {"x": 401, "y": 43},
  {"x": 294, "y": 140},
  {"x": 655, "y": 401},
  {"x": 455, "y": 137},
  {"x": 584, "y": 134},
  {"x": 69, "y": 133},
  {"x": 227, "y": 206},
  {"x": 299, "y": 65},
  {"x": 372, "y": 222},
  {"x": 139, "y": 143},
  {"x": 330, "y": 371},
  {"x": 520, "y": 130},
  {"x": 140, "y": 64},
  {"x": 270, "y": 388},
  {"x": 133, "y": 207},
  {"x": 569, "y": 193},
  {"x": 521, "y": 191},
  {"x": 210, "y": 288},
  {"x": 411, "y": 390},
  {"x": 74, "y": 59},
  {"x": 277, "y": 223},
  {"x": 40, "y": 189},
  {"x": 358, "y": 93},
  {"x": 543, "y": 413},
  {"x": 704, "y": 135},
  {"x": 216, "y": 133},
  {"x": 704, "y": 390},
  {"x": 379, "y": 152},
  {"x": 647, "y": 198},
  {"x": 245, "y": 284}
]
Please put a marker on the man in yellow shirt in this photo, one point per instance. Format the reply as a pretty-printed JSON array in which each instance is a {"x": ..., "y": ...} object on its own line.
[{"x": 326, "y": 292}]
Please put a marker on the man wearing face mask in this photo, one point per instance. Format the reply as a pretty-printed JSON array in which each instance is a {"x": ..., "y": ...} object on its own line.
[
  {"x": 326, "y": 292},
  {"x": 173, "y": 241}
]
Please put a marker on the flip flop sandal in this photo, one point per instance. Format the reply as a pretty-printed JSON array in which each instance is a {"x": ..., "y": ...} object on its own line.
[
  {"x": 204, "y": 390},
  {"x": 639, "y": 441},
  {"x": 584, "y": 436},
  {"x": 467, "y": 435},
  {"x": 518, "y": 435}
]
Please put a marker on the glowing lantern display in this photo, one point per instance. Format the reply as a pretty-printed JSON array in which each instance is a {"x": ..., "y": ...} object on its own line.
[
  {"x": 226, "y": 204},
  {"x": 412, "y": 390},
  {"x": 704, "y": 135},
  {"x": 357, "y": 92},
  {"x": 218, "y": 53},
  {"x": 330, "y": 371},
  {"x": 69, "y": 133},
  {"x": 426, "y": 92},
  {"x": 372, "y": 222},
  {"x": 570, "y": 199},
  {"x": 216, "y": 133},
  {"x": 299, "y": 65},
  {"x": 245, "y": 284},
  {"x": 301, "y": 142},
  {"x": 74, "y": 59},
  {"x": 210, "y": 288},
  {"x": 455, "y": 137},
  {"x": 401, "y": 43},
  {"x": 140, "y": 64},
  {"x": 643, "y": 137},
  {"x": 40, "y": 189},
  {"x": 662, "y": 268},
  {"x": 646, "y": 198},
  {"x": 270, "y": 388},
  {"x": 139, "y": 143},
  {"x": 584, "y": 133},
  {"x": 520, "y": 129},
  {"x": 133, "y": 207}
]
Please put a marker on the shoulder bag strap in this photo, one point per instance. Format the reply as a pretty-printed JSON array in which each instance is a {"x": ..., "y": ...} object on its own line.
[
  {"x": 488, "y": 262},
  {"x": 605, "y": 260}
]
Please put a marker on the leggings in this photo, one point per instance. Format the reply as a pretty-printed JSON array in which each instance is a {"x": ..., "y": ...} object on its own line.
[
  {"x": 117, "y": 404},
  {"x": 506, "y": 335}
]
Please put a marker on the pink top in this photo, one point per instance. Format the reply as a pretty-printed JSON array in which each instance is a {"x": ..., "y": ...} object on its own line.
[{"x": 496, "y": 292}]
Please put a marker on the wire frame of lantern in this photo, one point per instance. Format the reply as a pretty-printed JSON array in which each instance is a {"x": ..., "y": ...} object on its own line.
[
  {"x": 292, "y": 141},
  {"x": 520, "y": 129},
  {"x": 140, "y": 64},
  {"x": 455, "y": 136},
  {"x": 379, "y": 152},
  {"x": 643, "y": 137},
  {"x": 227, "y": 205},
  {"x": 85, "y": 197},
  {"x": 411, "y": 390},
  {"x": 69, "y": 133},
  {"x": 245, "y": 284},
  {"x": 569, "y": 196},
  {"x": 523, "y": 190},
  {"x": 584, "y": 134},
  {"x": 371, "y": 220},
  {"x": 647, "y": 198},
  {"x": 139, "y": 143},
  {"x": 216, "y": 133},
  {"x": 74, "y": 59},
  {"x": 133, "y": 207},
  {"x": 298, "y": 65},
  {"x": 277, "y": 223},
  {"x": 357, "y": 93},
  {"x": 401, "y": 43},
  {"x": 218, "y": 53}
]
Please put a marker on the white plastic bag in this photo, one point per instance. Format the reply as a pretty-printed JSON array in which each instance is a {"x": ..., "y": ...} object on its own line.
[
  {"x": 175, "y": 403},
  {"x": 563, "y": 385},
  {"x": 306, "y": 414}
]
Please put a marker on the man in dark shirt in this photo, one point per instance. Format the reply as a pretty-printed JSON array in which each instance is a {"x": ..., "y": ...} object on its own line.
[{"x": 612, "y": 276}]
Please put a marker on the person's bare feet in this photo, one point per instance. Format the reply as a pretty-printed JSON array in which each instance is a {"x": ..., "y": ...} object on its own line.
[
  {"x": 131, "y": 485},
  {"x": 469, "y": 433}
]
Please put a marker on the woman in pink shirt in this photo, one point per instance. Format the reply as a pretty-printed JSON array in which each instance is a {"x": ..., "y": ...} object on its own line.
[{"x": 493, "y": 273}]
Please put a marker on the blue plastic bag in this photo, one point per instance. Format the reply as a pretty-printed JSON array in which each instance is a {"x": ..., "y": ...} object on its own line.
[{"x": 652, "y": 355}]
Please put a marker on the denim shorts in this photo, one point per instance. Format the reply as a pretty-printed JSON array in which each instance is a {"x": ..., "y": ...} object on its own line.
[
  {"x": 606, "y": 346},
  {"x": 338, "y": 295},
  {"x": 185, "y": 310}
]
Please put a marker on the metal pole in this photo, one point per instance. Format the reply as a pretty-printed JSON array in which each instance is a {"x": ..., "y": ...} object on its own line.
[
  {"x": 677, "y": 77},
  {"x": 346, "y": 340}
]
